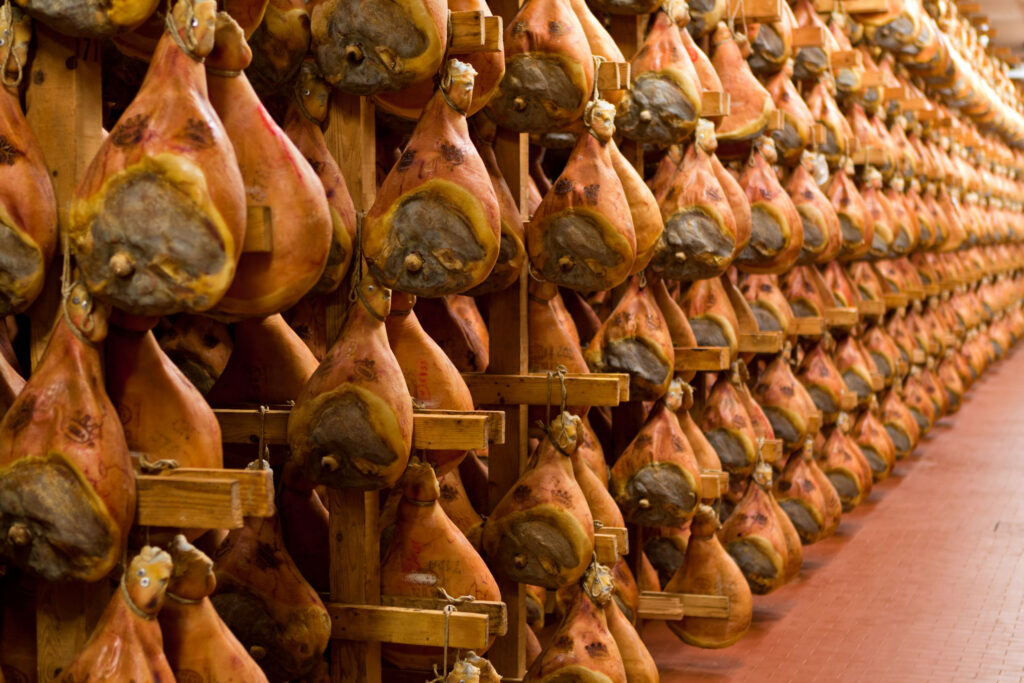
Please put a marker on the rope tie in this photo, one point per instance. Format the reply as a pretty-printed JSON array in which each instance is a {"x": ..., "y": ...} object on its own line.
[
  {"x": 190, "y": 26},
  {"x": 7, "y": 39}
]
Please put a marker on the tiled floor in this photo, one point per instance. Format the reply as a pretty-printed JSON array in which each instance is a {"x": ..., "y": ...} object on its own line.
[{"x": 925, "y": 582}]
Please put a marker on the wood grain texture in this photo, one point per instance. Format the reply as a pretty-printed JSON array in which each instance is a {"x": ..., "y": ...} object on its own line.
[
  {"x": 255, "y": 487},
  {"x": 497, "y": 612},
  {"x": 537, "y": 390},
  {"x": 192, "y": 502},
  {"x": 702, "y": 358},
  {"x": 407, "y": 626}
]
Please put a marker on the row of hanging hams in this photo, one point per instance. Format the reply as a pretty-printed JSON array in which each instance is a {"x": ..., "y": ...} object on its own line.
[{"x": 719, "y": 223}]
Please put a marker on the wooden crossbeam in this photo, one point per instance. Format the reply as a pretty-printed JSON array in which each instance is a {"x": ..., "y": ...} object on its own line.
[
  {"x": 408, "y": 626},
  {"x": 536, "y": 389}
]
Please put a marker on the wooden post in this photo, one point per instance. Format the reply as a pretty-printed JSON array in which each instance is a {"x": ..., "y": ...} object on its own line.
[
  {"x": 354, "y": 536},
  {"x": 64, "y": 109}
]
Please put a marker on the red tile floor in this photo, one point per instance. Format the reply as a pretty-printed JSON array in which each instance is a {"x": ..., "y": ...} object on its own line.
[{"x": 924, "y": 582}]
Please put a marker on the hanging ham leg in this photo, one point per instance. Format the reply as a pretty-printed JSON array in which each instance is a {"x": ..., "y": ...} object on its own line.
[
  {"x": 433, "y": 381},
  {"x": 435, "y": 225},
  {"x": 158, "y": 219},
  {"x": 198, "y": 345},
  {"x": 28, "y": 209},
  {"x": 709, "y": 570},
  {"x": 266, "y": 603},
  {"x": 729, "y": 429},
  {"x": 196, "y": 641},
  {"x": 636, "y": 340},
  {"x": 542, "y": 532},
  {"x": 455, "y": 323},
  {"x": 875, "y": 444},
  {"x": 127, "y": 644},
  {"x": 656, "y": 480},
  {"x": 582, "y": 649},
  {"x": 799, "y": 494},
  {"x": 67, "y": 489},
  {"x": 711, "y": 315},
  {"x": 351, "y": 426},
  {"x": 429, "y": 553}
]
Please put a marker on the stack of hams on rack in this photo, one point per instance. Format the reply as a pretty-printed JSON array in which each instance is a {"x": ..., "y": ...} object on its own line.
[{"x": 802, "y": 253}]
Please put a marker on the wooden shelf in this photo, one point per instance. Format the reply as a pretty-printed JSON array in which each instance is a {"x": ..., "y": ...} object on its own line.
[
  {"x": 714, "y": 104},
  {"x": 473, "y": 31},
  {"x": 611, "y": 543},
  {"x": 870, "y": 307},
  {"x": 674, "y": 606},
  {"x": 713, "y": 483},
  {"x": 702, "y": 358},
  {"x": 203, "y": 499},
  {"x": 467, "y": 629},
  {"x": 842, "y": 317},
  {"x": 808, "y": 327},
  {"x": 894, "y": 300},
  {"x": 876, "y": 156},
  {"x": 762, "y": 11},
  {"x": 853, "y": 6},
  {"x": 760, "y": 342},
  {"x": 537, "y": 389},
  {"x": 432, "y": 430},
  {"x": 809, "y": 36}
]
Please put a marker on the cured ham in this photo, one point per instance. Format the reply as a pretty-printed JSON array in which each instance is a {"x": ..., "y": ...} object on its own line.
[
  {"x": 351, "y": 426},
  {"x": 701, "y": 236},
  {"x": 549, "y": 69},
  {"x": 711, "y": 316},
  {"x": 431, "y": 378},
  {"x": 369, "y": 47},
  {"x": 845, "y": 466},
  {"x": 429, "y": 553},
  {"x": 823, "y": 380},
  {"x": 643, "y": 209},
  {"x": 267, "y": 604},
  {"x": 542, "y": 532},
  {"x": 435, "y": 225},
  {"x": 198, "y": 345},
  {"x": 582, "y": 234},
  {"x": 709, "y": 570},
  {"x": 636, "y": 340},
  {"x": 157, "y": 221},
  {"x": 767, "y": 303},
  {"x": 455, "y": 323},
  {"x": 656, "y": 480},
  {"x": 753, "y": 535},
  {"x": 583, "y": 649},
  {"x": 795, "y": 135},
  {"x": 90, "y": 19},
  {"x": 750, "y": 104},
  {"x": 875, "y": 444},
  {"x": 28, "y": 225},
  {"x": 663, "y": 102},
  {"x": 279, "y": 44},
  {"x": 66, "y": 478},
  {"x": 729, "y": 429},
  {"x": 800, "y": 494},
  {"x": 776, "y": 228},
  {"x": 787, "y": 405},
  {"x": 127, "y": 644},
  {"x": 196, "y": 641}
]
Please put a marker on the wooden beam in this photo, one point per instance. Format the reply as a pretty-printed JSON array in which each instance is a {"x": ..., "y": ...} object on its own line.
[
  {"x": 915, "y": 104},
  {"x": 473, "y": 31},
  {"x": 606, "y": 548},
  {"x": 713, "y": 483},
  {"x": 408, "y": 626},
  {"x": 497, "y": 612},
  {"x": 877, "y": 381},
  {"x": 918, "y": 357},
  {"x": 762, "y": 11},
  {"x": 894, "y": 93},
  {"x": 537, "y": 389},
  {"x": 809, "y": 36},
  {"x": 187, "y": 502},
  {"x": 894, "y": 300},
  {"x": 772, "y": 450},
  {"x": 612, "y": 76},
  {"x": 819, "y": 134},
  {"x": 714, "y": 104},
  {"x": 872, "y": 79},
  {"x": 621, "y": 535},
  {"x": 777, "y": 120},
  {"x": 842, "y": 316},
  {"x": 848, "y": 400},
  {"x": 875, "y": 156},
  {"x": 674, "y": 606},
  {"x": 702, "y": 358},
  {"x": 808, "y": 327},
  {"x": 845, "y": 59},
  {"x": 852, "y": 6},
  {"x": 255, "y": 487},
  {"x": 760, "y": 342},
  {"x": 871, "y": 307}
]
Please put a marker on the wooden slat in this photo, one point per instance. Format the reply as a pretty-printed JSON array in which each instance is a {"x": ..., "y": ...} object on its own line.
[
  {"x": 536, "y": 389},
  {"x": 674, "y": 606},
  {"x": 259, "y": 233},
  {"x": 760, "y": 342},
  {"x": 621, "y": 535},
  {"x": 848, "y": 401},
  {"x": 814, "y": 423},
  {"x": 872, "y": 79},
  {"x": 713, "y": 483},
  {"x": 845, "y": 59},
  {"x": 915, "y": 104},
  {"x": 819, "y": 134},
  {"x": 853, "y": 6},
  {"x": 894, "y": 93},
  {"x": 915, "y": 293},
  {"x": 932, "y": 289},
  {"x": 808, "y": 327},
  {"x": 188, "y": 502},
  {"x": 407, "y": 626},
  {"x": 894, "y": 299},
  {"x": 772, "y": 450},
  {"x": 918, "y": 357},
  {"x": 877, "y": 381},
  {"x": 871, "y": 307},
  {"x": 613, "y": 76},
  {"x": 969, "y": 7},
  {"x": 809, "y": 36},
  {"x": 255, "y": 487},
  {"x": 497, "y": 612},
  {"x": 706, "y": 358},
  {"x": 842, "y": 317},
  {"x": 714, "y": 104},
  {"x": 606, "y": 547},
  {"x": 472, "y": 31},
  {"x": 763, "y": 11},
  {"x": 777, "y": 120},
  {"x": 432, "y": 430},
  {"x": 868, "y": 155}
]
